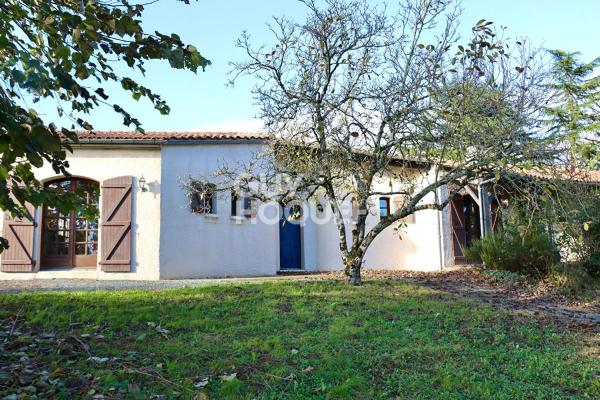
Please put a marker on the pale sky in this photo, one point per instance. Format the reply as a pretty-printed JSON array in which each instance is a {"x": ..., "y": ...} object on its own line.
[{"x": 203, "y": 102}]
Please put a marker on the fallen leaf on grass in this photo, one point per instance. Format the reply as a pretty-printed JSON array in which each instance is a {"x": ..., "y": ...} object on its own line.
[
  {"x": 99, "y": 359},
  {"x": 162, "y": 331},
  {"x": 229, "y": 377},
  {"x": 158, "y": 328},
  {"x": 202, "y": 382}
]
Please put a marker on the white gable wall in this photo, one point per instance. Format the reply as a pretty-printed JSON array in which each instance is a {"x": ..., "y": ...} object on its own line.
[{"x": 194, "y": 245}]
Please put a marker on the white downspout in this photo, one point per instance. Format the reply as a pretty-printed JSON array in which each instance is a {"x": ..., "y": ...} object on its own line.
[
  {"x": 441, "y": 236},
  {"x": 439, "y": 227}
]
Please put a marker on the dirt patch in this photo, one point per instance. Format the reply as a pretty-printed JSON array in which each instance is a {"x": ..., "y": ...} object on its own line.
[{"x": 522, "y": 297}]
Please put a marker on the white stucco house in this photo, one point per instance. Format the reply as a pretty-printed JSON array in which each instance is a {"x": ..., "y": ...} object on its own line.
[{"x": 146, "y": 229}]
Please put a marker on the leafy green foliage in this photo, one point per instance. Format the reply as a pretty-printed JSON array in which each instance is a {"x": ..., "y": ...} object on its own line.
[
  {"x": 591, "y": 237},
  {"x": 574, "y": 280},
  {"x": 575, "y": 111},
  {"x": 503, "y": 276},
  {"x": 475, "y": 118},
  {"x": 578, "y": 219},
  {"x": 287, "y": 340},
  {"x": 520, "y": 249},
  {"x": 565, "y": 207},
  {"x": 66, "y": 51}
]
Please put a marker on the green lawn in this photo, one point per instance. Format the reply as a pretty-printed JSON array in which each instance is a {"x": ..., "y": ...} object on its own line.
[{"x": 317, "y": 340}]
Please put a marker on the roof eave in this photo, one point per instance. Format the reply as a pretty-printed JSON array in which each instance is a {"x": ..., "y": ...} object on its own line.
[
  {"x": 214, "y": 141},
  {"x": 160, "y": 142},
  {"x": 134, "y": 142}
]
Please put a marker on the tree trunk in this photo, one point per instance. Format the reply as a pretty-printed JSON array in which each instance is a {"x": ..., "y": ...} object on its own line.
[
  {"x": 355, "y": 278},
  {"x": 347, "y": 270},
  {"x": 353, "y": 266},
  {"x": 353, "y": 262}
]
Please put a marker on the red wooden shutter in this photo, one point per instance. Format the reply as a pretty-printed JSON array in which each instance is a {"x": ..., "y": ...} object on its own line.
[
  {"x": 459, "y": 236},
  {"x": 19, "y": 233},
  {"x": 115, "y": 228}
]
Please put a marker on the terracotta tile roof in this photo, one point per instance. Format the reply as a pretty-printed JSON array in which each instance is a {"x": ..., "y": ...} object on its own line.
[
  {"x": 568, "y": 174},
  {"x": 165, "y": 136}
]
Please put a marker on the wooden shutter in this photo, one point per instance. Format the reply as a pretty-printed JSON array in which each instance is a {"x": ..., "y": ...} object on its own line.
[
  {"x": 115, "y": 227},
  {"x": 19, "y": 233},
  {"x": 459, "y": 236}
]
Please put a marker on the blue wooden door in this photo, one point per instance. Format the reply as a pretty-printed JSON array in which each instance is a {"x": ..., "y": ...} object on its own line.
[{"x": 290, "y": 254}]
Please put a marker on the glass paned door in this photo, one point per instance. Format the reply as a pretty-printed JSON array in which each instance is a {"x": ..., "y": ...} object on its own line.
[
  {"x": 472, "y": 222},
  {"x": 69, "y": 239}
]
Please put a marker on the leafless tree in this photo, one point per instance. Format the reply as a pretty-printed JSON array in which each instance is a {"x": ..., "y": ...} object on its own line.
[{"x": 356, "y": 95}]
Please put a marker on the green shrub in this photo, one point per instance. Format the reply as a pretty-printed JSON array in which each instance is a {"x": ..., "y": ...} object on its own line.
[
  {"x": 577, "y": 223},
  {"x": 516, "y": 249},
  {"x": 573, "y": 279}
]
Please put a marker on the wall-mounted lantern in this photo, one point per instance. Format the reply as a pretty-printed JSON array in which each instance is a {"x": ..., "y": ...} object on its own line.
[{"x": 142, "y": 184}]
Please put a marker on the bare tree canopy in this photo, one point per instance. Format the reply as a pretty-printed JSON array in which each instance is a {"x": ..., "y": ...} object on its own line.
[{"x": 361, "y": 102}]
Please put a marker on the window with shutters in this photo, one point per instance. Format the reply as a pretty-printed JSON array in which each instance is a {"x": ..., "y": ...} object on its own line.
[
  {"x": 204, "y": 199},
  {"x": 242, "y": 206},
  {"x": 70, "y": 239}
]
